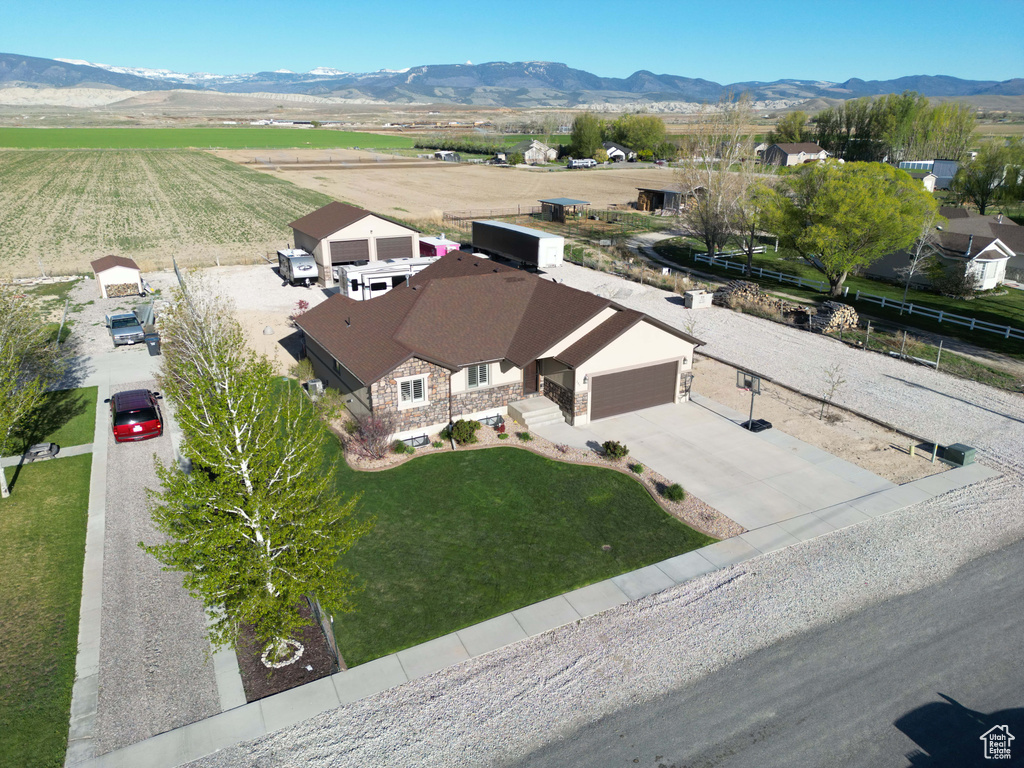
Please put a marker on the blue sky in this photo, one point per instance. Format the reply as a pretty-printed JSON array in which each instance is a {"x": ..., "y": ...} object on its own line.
[{"x": 724, "y": 41}]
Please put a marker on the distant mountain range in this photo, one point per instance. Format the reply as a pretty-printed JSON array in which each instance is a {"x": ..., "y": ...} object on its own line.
[{"x": 516, "y": 84}]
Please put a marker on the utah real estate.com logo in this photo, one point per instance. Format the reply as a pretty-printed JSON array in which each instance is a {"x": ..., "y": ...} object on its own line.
[{"x": 997, "y": 742}]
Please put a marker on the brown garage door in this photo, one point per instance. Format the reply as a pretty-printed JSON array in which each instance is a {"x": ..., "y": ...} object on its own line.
[
  {"x": 347, "y": 251},
  {"x": 394, "y": 248},
  {"x": 616, "y": 393}
]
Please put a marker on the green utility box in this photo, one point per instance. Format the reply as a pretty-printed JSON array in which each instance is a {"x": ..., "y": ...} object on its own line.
[{"x": 958, "y": 454}]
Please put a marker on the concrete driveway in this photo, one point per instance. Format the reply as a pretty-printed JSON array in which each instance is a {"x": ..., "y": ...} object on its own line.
[{"x": 755, "y": 479}]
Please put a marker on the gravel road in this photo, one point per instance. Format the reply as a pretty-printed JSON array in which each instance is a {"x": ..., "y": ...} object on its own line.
[
  {"x": 154, "y": 673},
  {"x": 496, "y": 709}
]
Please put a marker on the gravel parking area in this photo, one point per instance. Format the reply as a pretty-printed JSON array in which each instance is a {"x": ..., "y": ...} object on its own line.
[
  {"x": 497, "y": 709},
  {"x": 154, "y": 668}
]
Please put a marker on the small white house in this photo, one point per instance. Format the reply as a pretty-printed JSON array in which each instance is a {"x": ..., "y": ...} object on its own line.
[
  {"x": 618, "y": 153},
  {"x": 118, "y": 276}
]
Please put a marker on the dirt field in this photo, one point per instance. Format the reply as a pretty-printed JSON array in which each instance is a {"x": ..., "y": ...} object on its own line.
[
  {"x": 425, "y": 191},
  {"x": 856, "y": 440}
]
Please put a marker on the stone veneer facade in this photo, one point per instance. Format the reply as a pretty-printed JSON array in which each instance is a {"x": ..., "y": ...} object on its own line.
[
  {"x": 485, "y": 399},
  {"x": 563, "y": 398},
  {"x": 384, "y": 395}
]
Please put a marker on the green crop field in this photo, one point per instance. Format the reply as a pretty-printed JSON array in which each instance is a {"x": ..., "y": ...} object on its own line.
[
  {"x": 228, "y": 137},
  {"x": 61, "y": 209}
]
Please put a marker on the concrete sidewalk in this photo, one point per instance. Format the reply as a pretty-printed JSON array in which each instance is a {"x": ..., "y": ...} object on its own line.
[{"x": 251, "y": 721}]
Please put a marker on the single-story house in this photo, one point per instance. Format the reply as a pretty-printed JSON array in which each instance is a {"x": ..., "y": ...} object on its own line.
[
  {"x": 118, "y": 276},
  {"x": 983, "y": 257},
  {"x": 793, "y": 154},
  {"x": 468, "y": 336},
  {"x": 553, "y": 209},
  {"x": 533, "y": 152},
  {"x": 1001, "y": 227},
  {"x": 343, "y": 234},
  {"x": 618, "y": 153}
]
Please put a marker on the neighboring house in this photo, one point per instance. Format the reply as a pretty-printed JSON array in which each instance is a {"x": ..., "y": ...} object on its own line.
[
  {"x": 533, "y": 152},
  {"x": 469, "y": 336},
  {"x": 927, "y": 178},
  {"x": 1003, "y": 228},
  {"x": 793, "y": 154},
  {"x": 983, "y": 257},
  {"x": 618, "y": 153},
  {"x": 343, "y": 234},
  {"x": 944, "y": 170},
  {"x": 759, "y": 149},
  {"x": 118, "y": 276},
  {"x": 447, "y": 155}
]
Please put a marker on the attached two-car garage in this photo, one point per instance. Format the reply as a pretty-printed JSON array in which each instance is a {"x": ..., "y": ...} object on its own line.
[{"x": 625, "y": 391}]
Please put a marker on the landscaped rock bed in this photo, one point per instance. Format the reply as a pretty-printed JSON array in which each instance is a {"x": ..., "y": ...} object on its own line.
[
  {"x": 258, "y": 681},
  {"x": 690, "y": 510}
]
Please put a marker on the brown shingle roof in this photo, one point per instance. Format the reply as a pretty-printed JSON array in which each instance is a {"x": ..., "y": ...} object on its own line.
[
  {"x": 952, "y": 212},
  {"x": 955, "y": 244},
  {"x": 463, "y": 310},
  {"x": 329, "y": 219},
  {"x": 107, "y": 262},
  {"x": 964, "y": 222}
]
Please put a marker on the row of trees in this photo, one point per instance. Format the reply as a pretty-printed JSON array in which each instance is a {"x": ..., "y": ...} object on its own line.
[
  {"x": 643, "y": 133},
  {"x": 890, "y": 128},
  {"x": 253, "y": 521},
  {"x": 836, "y": 216}
]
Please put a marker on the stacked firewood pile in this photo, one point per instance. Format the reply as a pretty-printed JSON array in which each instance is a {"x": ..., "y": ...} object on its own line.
[
  {"x": 122, "y": 289},
  {"x": 737, "y": 293},
  {"x": 833, "y": 316}
]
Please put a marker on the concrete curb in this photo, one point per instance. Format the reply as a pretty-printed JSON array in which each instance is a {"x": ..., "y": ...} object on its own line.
[{"x": 85, "y": 693}]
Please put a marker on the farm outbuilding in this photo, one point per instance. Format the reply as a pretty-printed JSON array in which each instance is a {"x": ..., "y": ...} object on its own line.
[
  {"x": 554, "y": 209},
  {"x": 658, "y": 199},
  {"x": 343, "y": 234},
  {"x": 118, "y": 276}
]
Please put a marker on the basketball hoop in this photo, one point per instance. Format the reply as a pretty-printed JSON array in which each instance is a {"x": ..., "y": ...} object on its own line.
[{"x": 748, "y": 382}]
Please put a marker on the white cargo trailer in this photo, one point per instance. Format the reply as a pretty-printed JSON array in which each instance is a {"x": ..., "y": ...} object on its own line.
[
  {"x": 510, "y": 241},
  {"x": 365, "y": 281}
]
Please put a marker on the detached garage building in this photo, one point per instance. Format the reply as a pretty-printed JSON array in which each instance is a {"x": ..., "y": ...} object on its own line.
[
  {"x": 343, "y": 234},
  {"x": 469, "y": 337},
  {"x": 118, "y": 276}
]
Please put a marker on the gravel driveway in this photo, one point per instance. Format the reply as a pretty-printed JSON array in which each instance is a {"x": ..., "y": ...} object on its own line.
[
  {"x": 496, "y": 709},
  {"x": 154, "y": 673}
]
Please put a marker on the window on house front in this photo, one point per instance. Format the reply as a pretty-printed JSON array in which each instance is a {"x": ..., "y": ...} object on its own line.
[
  {"x": 413, "y": 391},
  {"x": 478, "y": 375}
]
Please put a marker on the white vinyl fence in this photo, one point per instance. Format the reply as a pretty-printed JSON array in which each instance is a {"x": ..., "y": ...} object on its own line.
[{"x": 971, "y": 323}]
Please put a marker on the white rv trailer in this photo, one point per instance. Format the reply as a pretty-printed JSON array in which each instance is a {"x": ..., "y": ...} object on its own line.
[{"x": 365, "y": 281}]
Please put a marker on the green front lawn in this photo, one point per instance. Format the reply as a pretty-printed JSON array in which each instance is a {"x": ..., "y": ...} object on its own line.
[
  {"x": 42, "y": 548},
  {"x": 463, "y": 537},
  {"x": 1007, "y": 309},
  {"x": 66, "y": 417}
]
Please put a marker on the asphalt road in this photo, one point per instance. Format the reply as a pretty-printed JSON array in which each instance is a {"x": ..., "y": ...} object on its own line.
[{"x": 913, "y": 681}]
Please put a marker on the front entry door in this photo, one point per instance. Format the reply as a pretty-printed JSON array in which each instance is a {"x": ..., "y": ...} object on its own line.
[{"x": 530, "y": 379}]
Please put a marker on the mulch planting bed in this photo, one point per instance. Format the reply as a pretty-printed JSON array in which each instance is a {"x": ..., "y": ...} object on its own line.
[{"x": 259, "y": 681}]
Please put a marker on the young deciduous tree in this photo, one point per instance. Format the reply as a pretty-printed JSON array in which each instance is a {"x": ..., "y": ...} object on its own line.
[
  {"x": 841, "y": 217},
  {"x": 30, "y": 362},
  {"x": 922, "y": 253},
  {"x": 257, "y": 523},
  {"x": 708, "y": 173}
]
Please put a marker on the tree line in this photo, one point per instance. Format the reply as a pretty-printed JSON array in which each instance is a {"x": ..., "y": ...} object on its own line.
[
  {"x": 645, "y": 134},
  {"x": 890, "y": 128}
]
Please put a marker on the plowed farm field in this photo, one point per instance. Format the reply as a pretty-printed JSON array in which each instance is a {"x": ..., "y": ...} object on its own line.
[
  {"x": 423, "y": 190},
  {"x": 61, "y": 209}
]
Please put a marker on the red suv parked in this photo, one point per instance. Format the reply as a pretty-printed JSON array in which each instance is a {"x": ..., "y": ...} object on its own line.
[{"x": 135, "y": 415}]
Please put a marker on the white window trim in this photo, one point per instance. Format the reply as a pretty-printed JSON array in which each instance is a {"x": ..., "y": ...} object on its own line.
[
  {"x": 407, "y": 404},
  {"x": 487, "y": 376}
]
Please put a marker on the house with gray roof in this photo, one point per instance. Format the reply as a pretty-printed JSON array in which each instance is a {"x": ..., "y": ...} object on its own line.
[{"x": 469, "y": 337}]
